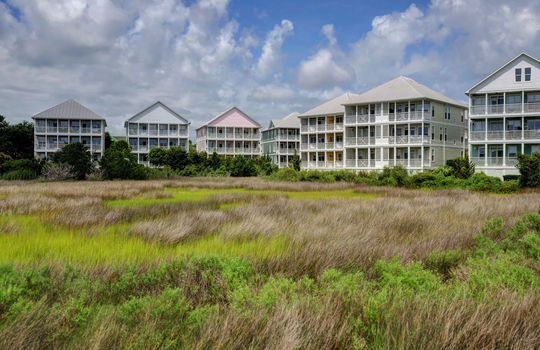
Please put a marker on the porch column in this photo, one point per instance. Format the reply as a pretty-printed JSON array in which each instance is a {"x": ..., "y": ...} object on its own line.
[
  {"x": 422, "y": 157},
  {"x": 522, "y": 101},
  {"x": 522, "y": 128},
  {"x": 356, "y": 157},
  {"x": 504, "y": 154},
  {"x": 395, "y": 157},
  {"x": 486, "y": 153},
  {"x": 486, "y": 129},
  {"x": 368, "y": 156},
  {"x": 408, "y": 157},
  {"x": 409, "y": 131},
  {"x": 504, "y": 102},
  {"x": 504, "y": 128},
  {"x": 422, "y": 113},
  {"x": 485, "y": 112},
  {"x": 409, "y": 112}
]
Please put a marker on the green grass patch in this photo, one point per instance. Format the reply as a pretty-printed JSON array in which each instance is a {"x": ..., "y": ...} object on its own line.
[
  {"x": 182, "y": 194},
  {"x": 26, "y": 240}
]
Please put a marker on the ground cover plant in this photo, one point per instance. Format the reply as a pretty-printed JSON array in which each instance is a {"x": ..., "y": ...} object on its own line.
[{"x": 237, "y": 263}]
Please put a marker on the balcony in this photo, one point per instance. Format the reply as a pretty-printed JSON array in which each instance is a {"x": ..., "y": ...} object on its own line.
[
  {"x": 531, "y": 134},
  {"x": 85, "y": 130},
  {"x": 477, "y": 136},
  {"x": 532, "y": 107},
  {"x": 75, "y": 129},
  {"x": 153, "y": 133},
  {"x": 513, "y": 134},
  {"x": 509, "y": 108},
  {"x": 143, "y": 148},
  {"x": 494, "y": 161},
  {"x": 63, "y": 129},
  {"x": 40, "y": 129},
  {"x": 52, "y": 129},
  {"x": 96, "y": 130},
  {"x": 304, "y": 128},
  {"x": 134, "y": 148},
  {"x": 41, "y": 145}
]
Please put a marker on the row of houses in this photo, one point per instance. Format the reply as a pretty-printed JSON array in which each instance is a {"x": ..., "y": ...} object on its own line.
[{"x": 401, "y": 122}]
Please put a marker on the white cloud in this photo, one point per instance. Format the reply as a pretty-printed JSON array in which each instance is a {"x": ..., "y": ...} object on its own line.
[
  {"x": 273, "y": 93},
  {"x": 322, "y": 70},
  {"x": 271, "y": 52}
]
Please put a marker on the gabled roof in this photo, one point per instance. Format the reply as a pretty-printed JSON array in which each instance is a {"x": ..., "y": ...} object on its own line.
[
  {"x": 227, "y": 113},
  {"x": 69, "y": 110},
  {"x": 290, "y": 121},
  {"x": 401, "y": 89},
  {"x": 501, "y": 68},
  {"x": 333, "y": 106},
  {"x": 158, "y": 118}
]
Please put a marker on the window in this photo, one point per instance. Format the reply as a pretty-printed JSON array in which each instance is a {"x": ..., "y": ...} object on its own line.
[
  {"x": 440, "y": 134},
  {"x": 445, "y": 134},
  {"x": 518, "y": 74},
  {"x": 462, "y": 116},
  {"x": 432, "y": 111},
  {"x": 513, "y": 124},
  {"x": 447, "y": 112},
  {"x": 512, "y": 151},
  {"x": 533, "y": 124},
  {"x": 528, "y": 74},
  {"x": 533, "y": 98}
]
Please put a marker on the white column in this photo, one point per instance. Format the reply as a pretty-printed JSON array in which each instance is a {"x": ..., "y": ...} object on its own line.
[
  {"x": 485, "y": 112},
  {"x": 522, "y": 127},
  {"x": 504, "y": 102},
  {"x": 408, "y": 157},
  {"x": 504, "y": 154},
  {"x": 409, "y": 111},
  {"x": 522, "y": 101},
  {"x": 486, "y": 153},
  {"x": 423, "y": 114},
  {"x": 504, "y": 128}
]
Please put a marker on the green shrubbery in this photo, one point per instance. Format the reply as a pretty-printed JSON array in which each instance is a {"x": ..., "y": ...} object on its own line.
[
  {"x": 399, "y": 176},
  {"x": 208, "y": 301}
]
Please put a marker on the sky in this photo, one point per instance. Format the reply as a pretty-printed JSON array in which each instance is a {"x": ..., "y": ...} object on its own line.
[{"x": 268, "y": 58}]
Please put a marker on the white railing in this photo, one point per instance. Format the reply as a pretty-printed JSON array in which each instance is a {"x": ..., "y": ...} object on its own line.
[
  {"x": 41, "y": 129},
  {"x": 532, "y": 107},
  {"x": 143, "y": 148},
  {"x": 477, "y": 110},
  {"x": 350, "y": 163},
  {"x": 75, "y": 129},
  {"x": 320, "y": 127},
  {"x": 513, "y": 107},
  {"x": 514, "y": 134},
  {"x": 96, "y": 130},
  {"x": 477, "y": 135},
  {"x": 329, "y": 127},
  {"x": 63, "y": 129},
  {"x": 304, "y": 146},
  {"x": 153, "y": 133},
  {"x": 495, "y": 135},
  {"x": 329, "y": 145},
  {"x": 85, "y": 130},
  {"x": 304, "y": 128},
  {"x": 41, "y": 145},
  {"x": 52, "y": 129},
  {"x": 531, "y": 134},
  {"x": 495, "y": 109},
  {"x": 339, "y": 126},
  {"x": 402, "y": 116}
]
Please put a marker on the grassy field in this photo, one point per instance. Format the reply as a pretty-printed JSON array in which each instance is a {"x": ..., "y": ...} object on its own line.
[{"x": 203, "y": 263}]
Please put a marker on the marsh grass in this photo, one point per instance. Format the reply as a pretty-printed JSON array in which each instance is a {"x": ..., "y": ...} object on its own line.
[{"x": 247, "y": 263}]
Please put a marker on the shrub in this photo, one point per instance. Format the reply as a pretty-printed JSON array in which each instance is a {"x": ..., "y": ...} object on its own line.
[
  {"x": 241, "y": 166},
  {"x": 177, "y": 158},
  {"x": 164, "y": 173},
  {"x": 483, "y": 182},
  {"x": 58, "y": 171},
  {"x": 264, "y": 166},
  {"x": 423, "y": 179},
  {"x": 21, "y": 169},
  {"x": 462, "y": 167},
  {"x": 295, "y": 161},
  {"x": 119, "y": 163},
  {"x": 286, "y": 174},
  {"x": 20, "y": 174},
  {"x": 529, "y": 168},
  {"x": 394, "y": 176},
  {"x": 77, "y": 156},
  {"x": 158, "y": 156},
  {"x": 511, "y": 177}
]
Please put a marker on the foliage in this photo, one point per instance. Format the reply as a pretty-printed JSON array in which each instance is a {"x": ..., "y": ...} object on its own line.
[
  {"x": 264, "y": 166},
  {"x": 17, "y": 140},
  {"x": 529, "y": 168},
  {"x": 295, "y": 161},
  {"x": 177, "y": 158},
  {"x": 462, "y": 167},
  {"x": 108, "y": 140},
  {"x": 511, "y": 177},
  {"x": 241, "y": 166},
  {"x": 58, "y": 171},
  {"x": 158, "y": 156},
  {"x": 397, "y": 176},
  {"x": 77, "y": 156},
  {"x": 21, "y": 169},
  {"x": 119, "y": 163}
]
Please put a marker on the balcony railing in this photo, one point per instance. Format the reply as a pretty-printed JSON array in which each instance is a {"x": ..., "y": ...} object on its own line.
[
  {"x": 477, "y": 135},
  {"x": 143, "y": 148},
  {"x": 509, "y": 108},
  {"x": 85, "y": 130},
  {"x": 531, "y": 134},
  {"x": 532, "y": 107},
  {"x": 495, "y": 135},
  {"x": 40, "y": 129},
  {"x": 514, "y": 134},
  {"x": 52, "y": 129},
  {"x": 153, "y": 133},
  {"x": 494, "y": 161},
  {"x": 96, "y": 130},
  {"x": 513, "y": 108},
  {"x": 41, "y": 145}
]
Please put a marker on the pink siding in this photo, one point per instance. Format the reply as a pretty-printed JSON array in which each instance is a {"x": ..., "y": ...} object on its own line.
[{"x": 234, "y": 118}]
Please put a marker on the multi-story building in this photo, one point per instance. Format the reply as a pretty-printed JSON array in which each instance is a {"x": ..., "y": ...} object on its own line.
[
  {"x": 156, "y": 126},
  {"x": 281, "y": 139},
  {"x": 230, "y": 133},
  {"x": 68, "y": 122},
  {"x": 322, "y": 134},
  {"x": 505, "y": 116},
  {"x": 401, "y": 122}
]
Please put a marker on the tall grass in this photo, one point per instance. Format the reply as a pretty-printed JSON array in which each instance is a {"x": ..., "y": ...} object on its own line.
[{"x": 248, "y": 263}]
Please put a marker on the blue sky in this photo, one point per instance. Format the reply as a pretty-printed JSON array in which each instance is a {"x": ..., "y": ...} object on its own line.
[{"x": 269, "y": 58}]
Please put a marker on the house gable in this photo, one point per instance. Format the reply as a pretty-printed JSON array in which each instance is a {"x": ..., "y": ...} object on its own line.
[
  {"x": 504, "y": 78},
  {"x": 158, "y": 113},
  {"x": 234, "y": 118}
]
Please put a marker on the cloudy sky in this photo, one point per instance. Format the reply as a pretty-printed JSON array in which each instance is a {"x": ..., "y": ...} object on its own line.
[{"x": 269, "y": 58}]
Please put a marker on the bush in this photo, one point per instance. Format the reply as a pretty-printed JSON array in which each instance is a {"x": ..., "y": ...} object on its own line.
[
  {"x": 58, "y": 171},
  {"x": 20, "y": 174},
  {"x": 394, "y": 176},
  {"x": 286, "y": 174},
  {"x": 511, "y": 177},
  {"x": 462, "y": 167},
  {"x": 241, "y": 166},
  {"x": 164, "y": 173},
  {"x": 77, "y": 156},
  {"x": 119, "y": 163},
  {"x": 264, "y": 166},
  {"x": 529, "y": 168},
  {"x": 295, "y": 161},
  {"x": 177, "y": 158},
  {"x": 21, "y": 169},
  {"x": 424, "y": 179},
  {"x": 157, "y": 156}
]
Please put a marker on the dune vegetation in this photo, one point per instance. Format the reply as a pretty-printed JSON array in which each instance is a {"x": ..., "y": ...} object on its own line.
[{"x": 237, "y": 263}]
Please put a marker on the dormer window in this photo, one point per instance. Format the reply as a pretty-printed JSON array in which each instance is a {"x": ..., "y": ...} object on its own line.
[
  {"x": 528, "y": 74},
  {"x": 518, "y": 74}
]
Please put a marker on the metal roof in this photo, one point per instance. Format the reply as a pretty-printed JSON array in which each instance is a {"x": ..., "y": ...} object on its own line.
[
  {"x": 225, "y": 112},
  {"x": 68, "y": 110},
  {"x": 158, "y": 118},
  {"x": 290, "y": 121},
  {"x": 333, "y": 106},
  {"x": 401, "y": 89}
]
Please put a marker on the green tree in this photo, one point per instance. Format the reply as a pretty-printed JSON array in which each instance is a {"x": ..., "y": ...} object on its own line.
[
  {"x": 17, "y": 140},
  {"x": 177, "y": 158},
  {"x": 462, "y": 167},
  {"x": 264, "y": 166},
  {"x": 158, "y": 156},
  {"x": 119, "y": 163},
  {"x": 241, "y": 166},
  {"x": 529, "y": 168},
  {"x": 77, "y": 156},
  {"x": 108, "y": 140},
  {"x": 295, "y": 161},
  {"x": 214, "y": 161}
]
